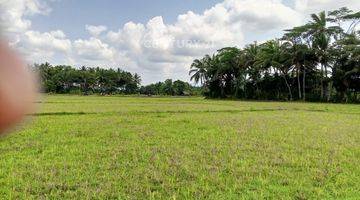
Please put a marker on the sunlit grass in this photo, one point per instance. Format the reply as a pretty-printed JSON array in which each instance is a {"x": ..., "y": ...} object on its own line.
[{"x": 132, "y": 147}]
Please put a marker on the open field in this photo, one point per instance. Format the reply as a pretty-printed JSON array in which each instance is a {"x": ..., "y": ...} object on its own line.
[{"x": 175, "y": 148}]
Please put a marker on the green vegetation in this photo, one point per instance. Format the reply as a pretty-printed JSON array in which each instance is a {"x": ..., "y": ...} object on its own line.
[
  {"x": 176, "y": 148},
  {"x": 170, "y": 88},
  {"x": 63, "y": 79},
  {"x": 319, "y": 61},
  {"x": 67, "y": 79}
]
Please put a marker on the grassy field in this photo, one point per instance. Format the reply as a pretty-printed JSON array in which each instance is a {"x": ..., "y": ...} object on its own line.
[{"x": 176, "y": 148}]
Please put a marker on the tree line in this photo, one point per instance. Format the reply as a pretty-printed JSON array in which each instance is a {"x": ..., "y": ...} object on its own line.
[
  {"x": 168, "y": 87},
  {"x": 65, "y": 79},
  {"x": 85, "y": 80},
  {"x": 318, "y": 61}
]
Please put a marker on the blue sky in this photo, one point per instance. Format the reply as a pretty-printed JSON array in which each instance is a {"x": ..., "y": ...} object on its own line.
[
  {"x": 71, "y": 15},
  {"x": 158, "y": 39}
]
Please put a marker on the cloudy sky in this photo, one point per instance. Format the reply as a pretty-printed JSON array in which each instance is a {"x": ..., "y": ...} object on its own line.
[{"x": 157, "y": 39}]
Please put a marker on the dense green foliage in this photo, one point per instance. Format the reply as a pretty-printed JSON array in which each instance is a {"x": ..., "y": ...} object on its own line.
[
  {"x": 168, "y": 87},
  {"x": 92, "y": 147},
  {"x": 66, "y": 79},
  {"x": 319, "y": 61}
]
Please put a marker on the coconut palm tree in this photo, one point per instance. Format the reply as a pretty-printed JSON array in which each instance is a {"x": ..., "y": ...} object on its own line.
[
  {"x": 299, "y": 50},
  {"x": 346, "y": 71},
  {"x": 321, "y": 34},
  {"x": 275, "y": 55},
  {"x": 198, "y": 71},
  {"x": 250, "y": 54}
]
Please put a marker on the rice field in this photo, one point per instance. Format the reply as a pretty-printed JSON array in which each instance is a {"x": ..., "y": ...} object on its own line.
[{"x": 92, "y": 147}]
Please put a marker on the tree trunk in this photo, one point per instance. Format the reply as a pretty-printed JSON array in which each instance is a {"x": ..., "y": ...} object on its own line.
[
  {"x": 222, "y": 95},
  {"x": 322, "y": 82},
  {"x": 329, "y": 91},
  {"x": 304, "y": 84},
  {"x": 327, "y": 85},
  {"x": 288, "y": 86},
  {"x": 298, "y": 79},
  {"x": 256, "y": 89}
]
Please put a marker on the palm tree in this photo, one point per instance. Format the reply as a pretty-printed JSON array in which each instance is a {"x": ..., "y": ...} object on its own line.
[
  {"x": 321, "y": 35},
  {"x": 294, "y": 39},
  {"x": 346, "y": 71},
  {"x": 250, "y": 54},
  {"x": 230, "y": 70},
  {"x": 198, "y": 70},
  {"x": 344, "y": 16},
  {"x": 275, "y": 55},
  {"x": 291, "y": 39}
]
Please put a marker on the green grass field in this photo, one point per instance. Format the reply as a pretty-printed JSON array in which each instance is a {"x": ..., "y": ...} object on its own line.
[{"x": 176, "y": 148}]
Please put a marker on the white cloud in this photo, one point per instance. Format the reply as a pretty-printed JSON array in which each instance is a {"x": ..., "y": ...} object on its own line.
[
  {"x": 95, "y": 30},
  {"x": 50, "y": 41},
  {"x": 155, "y": 49},
  {"x": 13, "y": 13},
  {"x": 262, "y": 14},
  {"x": 34, "y": 45},
  {"x": 93, "y": 49},
  {"x": 128, "y": 38},
  {"x": 307, "y": 7},
  {"x": 42, "y": 47}
]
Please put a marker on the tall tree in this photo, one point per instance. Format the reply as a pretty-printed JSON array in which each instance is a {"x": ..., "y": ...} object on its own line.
[
  {"x": 276, "y": 56},
  {"x": 198, "y": 70},
  {"x": 321, "y": 35}
]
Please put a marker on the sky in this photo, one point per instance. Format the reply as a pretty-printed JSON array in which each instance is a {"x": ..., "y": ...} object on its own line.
[{"x": 157, "y": 39}]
